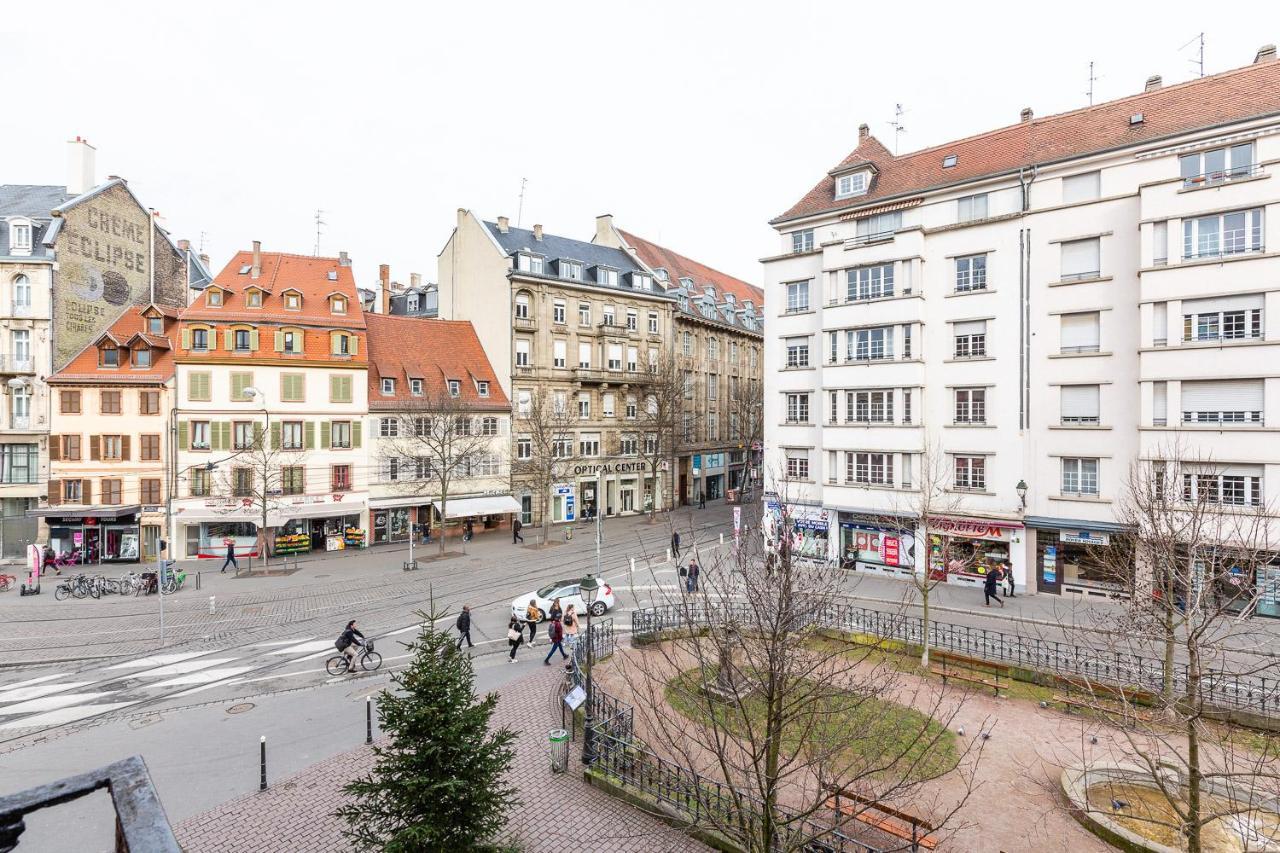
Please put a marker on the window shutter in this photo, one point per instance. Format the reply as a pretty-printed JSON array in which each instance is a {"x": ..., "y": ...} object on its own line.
[
  {"x": 54, "y": 492},
  {"x": 253, "y": 339},
  {"x": 226, "y": 435},
  {"x": 257, "y": 434},
  {"x": 333, "y": 342},
  {"x": 1080, "y": 258},
  {"x": 228, "y": 340},
  {"x": 356, "y": 429},
  {"x": 1080, "y": 331},
  {"x": 355, "y": 344},
  {"x": 1222, "y": 396},
  {"x": 279, "y": 341},
  {"x": 275, "y": 436},
  {"x": 334, "y": 387},
  {"x": 124, "y": 448},
  {"x": 55, "y": 448},
  {"x": 186, "y": 339},
  {"x": 1079, "y": 401},
  {"x": 1160, "y": 321},
  {"x": 1081, "y": 187},
  {"x": 309, "y": 435},
  {"x": 95, "y": 448},
  {"x": 184, "y": 435},
  {"x": 86, "y": 491},
  {"x": 1244, "y": 301},
  {"x": 972, "y": 327},
  {"x": 1160, "y": 402},
  {"x": 324, "y": 434}
]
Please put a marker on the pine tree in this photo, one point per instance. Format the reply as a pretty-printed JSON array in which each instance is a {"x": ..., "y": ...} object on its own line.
[{"x": 439, "y": 783}]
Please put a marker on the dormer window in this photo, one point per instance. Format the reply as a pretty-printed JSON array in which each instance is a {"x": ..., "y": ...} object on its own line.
[
  {"x": 607, "y": 276},
  {"x": 641, "y": 281},
  {"x": 242, "y": 340},
  {"x": 530, "y": 263},
  {"x": 20, "y": 231},
  {"x": 109, "y": 356},
  {"x": 415, "y": 387},
  {"x": 142, "y": 358},
  {"x": 709, "y": 292},
  {"x": 290, "y": 341},
  {"x": 661, "y": 273},
  {"x": 341, "y": 343},
  {"x": 200, "y": 340},
  {"x": 482, "y": 388},
  {"x": 155, "y": 325},
  {"x": 571, "y": 270},
  {"x": 213, "y": 297},
  {"x": 292, "y": 300},
  {"x": 253, "y": 298},
  {"x": 455, "y": 387},
  {"x": 338, "y": 304},
  {"x": 411, "y": 304},
  {"x": 851, "y": 185},
  {"x": 388, "y": 387}
]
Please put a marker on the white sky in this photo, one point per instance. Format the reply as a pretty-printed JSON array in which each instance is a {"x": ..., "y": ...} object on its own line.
[{"x": 692, "y": 122}]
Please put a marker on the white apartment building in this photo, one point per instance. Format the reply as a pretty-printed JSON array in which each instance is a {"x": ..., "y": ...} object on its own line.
[{"x": 1034, "y": 308}]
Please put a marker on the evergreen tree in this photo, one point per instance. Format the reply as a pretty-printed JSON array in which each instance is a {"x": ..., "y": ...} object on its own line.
[{"x": 439, "y": 784}]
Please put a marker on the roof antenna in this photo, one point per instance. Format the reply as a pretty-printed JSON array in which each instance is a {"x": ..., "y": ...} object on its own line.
[
  {"x": 1199, "y": 60},
  {"x": 203, "y": 235},
  {"x": 319, "y": 222},
  {"x": 520, "y": 208},
  {"x": 1092, "y": 79},
  {"x": 896, "y": 124}
]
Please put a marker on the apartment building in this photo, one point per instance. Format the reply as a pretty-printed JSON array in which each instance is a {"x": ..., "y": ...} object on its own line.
[
  {"x": 578, "y": 321},
  {"x": 718, "y": 342},
  {"x": 271, "y": 385},
  {"x": 1037, "y": 308},
  {"x": 430, "y": 379},
  {"x": 109, "y": 443}
]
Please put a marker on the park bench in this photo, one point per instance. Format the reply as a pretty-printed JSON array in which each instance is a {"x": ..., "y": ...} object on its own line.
[
  {"x": 1084, "y": 696},
  {"x": 982, "y": 673},
  {"x": 886, "y": 819}
]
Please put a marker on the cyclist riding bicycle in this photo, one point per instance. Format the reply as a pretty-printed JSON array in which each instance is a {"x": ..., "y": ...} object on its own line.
[{"x": 347, "y": 643}]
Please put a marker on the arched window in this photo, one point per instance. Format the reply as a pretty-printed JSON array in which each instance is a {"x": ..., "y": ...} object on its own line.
[
  {"x": 21, "y": 292},
  {"x": 522, "y": 305}
]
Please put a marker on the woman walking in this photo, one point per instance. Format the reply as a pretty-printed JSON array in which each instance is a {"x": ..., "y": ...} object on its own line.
[
  {"x": 515, "y": 636},
  {"x": 571, "y": 627},
  {"x": 556, "y": 613},
  {"x": 532, "y": 616},
  {"x": 990, "y": 587}
]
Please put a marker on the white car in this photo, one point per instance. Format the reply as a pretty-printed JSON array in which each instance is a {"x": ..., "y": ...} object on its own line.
[{"x": 567, "y": 592}]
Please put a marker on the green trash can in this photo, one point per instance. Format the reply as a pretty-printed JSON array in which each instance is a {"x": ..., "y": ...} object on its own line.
[{"x": 558, "y": 748}]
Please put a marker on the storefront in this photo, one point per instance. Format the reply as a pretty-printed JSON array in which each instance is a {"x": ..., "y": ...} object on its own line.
[
  {"x": 965, "y": 550},
  {"x": 611, "y": 489},
  {"x": 868, "y": 544},
  {"x": 106, "y": 535},
  {"x": 323, "y": 533},
  {"x": 1075, "y": 558},
  {"x": 394, "y": 519},
  {"x": 807, "y": 526},
  {"x": 295, "y": 525},
  {"x": 486, "y": 512}
]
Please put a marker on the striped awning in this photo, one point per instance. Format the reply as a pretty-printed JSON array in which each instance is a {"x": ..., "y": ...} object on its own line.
[{"x": 883, "y": 208}]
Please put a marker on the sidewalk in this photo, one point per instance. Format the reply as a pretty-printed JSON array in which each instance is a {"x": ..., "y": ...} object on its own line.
[{"x": 557, "y": 812}]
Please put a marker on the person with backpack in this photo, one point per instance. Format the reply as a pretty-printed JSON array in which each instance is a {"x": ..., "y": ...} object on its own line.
[
  {"x": 555, "y": 635},
  {"x": 347, "y": 643},
  {"x": 556, "y": 613},
  {"x": 464, "y": 627},
  {"x": 691, "y": 577},
  {"x": 515, "y": 636}
]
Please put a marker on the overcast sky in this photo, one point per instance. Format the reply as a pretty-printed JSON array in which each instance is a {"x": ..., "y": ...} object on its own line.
[{"x": 693, "y": 123}]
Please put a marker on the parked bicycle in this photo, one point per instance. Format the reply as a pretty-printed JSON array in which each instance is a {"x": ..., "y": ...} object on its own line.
[
  {"x": 368, "y": 659},
  {"x": 173, "y": 582},
  {"x": 77, "y": 586}
]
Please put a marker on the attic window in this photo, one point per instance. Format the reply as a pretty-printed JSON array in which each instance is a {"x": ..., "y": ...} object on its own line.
[
  {"x": 244, "y": 270},
  {"x": 482, "y": 388},
  {"x": 253, "y": 298},
  {"x": 848, "y": 185},
  {"x": 215, "y": 297},
  {"x": 155, "y": 325},
  {"x": 661, "y": 273},
  {"x": 1136, "y": 118},
  {"x": 293, "y": 300},
  {"x": 415, "y": 387},
  {"x": 20, "y": 236},
  {"x": 338, "y": 305},
  {"x": 141, "y": 358},
  {"x": 455, "y": 387},
  {"x": 949, "y": 162},
  {"x": 109, "y": 356},
  {"x": 687, "y": 283}
]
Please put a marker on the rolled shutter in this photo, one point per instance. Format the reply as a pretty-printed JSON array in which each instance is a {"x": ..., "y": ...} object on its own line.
[
  {"x": 184, "y": 435},
  {"x": 971, "y": 327},
  {"x": 186, "y": 338},
  {"x": 253, "y": 339},
  {"x": 55, "y": 448},
  {"x": 124, "y": 448},
  {"x": 309, "y": 435},
  {"x": 86, "y": 491},
  {"x": 54, "y": 492},
  {"x": 1080, "y": 332},
  {"x": 95, "y": 448},
  {"x": 1244, "y": 301},
  {"x": 275, "y": 436},
  {"x": 356, "y": 430},
  {"x": 1160, "y": 402},
  {"x": 1079, "y": 403},
  {"x": 1160, "y": 322},
  {"x": 324, "y": 434},
  {"x": 1080, "y": 258},
  {"x": 1235, "y": 395}
]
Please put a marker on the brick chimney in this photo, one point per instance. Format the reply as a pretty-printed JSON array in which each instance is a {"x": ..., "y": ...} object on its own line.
[
  {"x": 1155, "y": 81},
  {"x": 204, "y": 259},
  {"x": 1026, "y": 115},
  {"x": 504, "y": 224},
  {"x": 80, "y": 175},
  {"x": 344, "y": 260},
  {"x": 863, "y": 132},
  {"x": 384, "y": 281},
  {"x": 537, "y": 233},
  {"x": 604, "y": 230},
  {"x": 255, "y": 271},
  {"x": 1266, "y": 53}
]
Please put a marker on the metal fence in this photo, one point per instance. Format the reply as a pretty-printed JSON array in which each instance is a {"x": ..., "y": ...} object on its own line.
[{"x": 1224, "y": 690}]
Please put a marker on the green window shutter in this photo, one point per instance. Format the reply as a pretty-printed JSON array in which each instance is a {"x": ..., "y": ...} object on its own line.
[
  {"x": 324, "y": 434},
  {"x": 186, "y": 339},
  {"x": 275, "y": 436},
  {"x": 184, "y": 435},
  {"x": 333, "y": 342},
  {"x": 355, "y": 345},
  {"x": 253, "y": 339},
  {"x": 309, "y": 435},
  {"x": 238, "y": 384},
  {"x": 226, "y": 435},
  {"x": 228, "y": 340},
  {"x": 215, "y": 436},
  {"x": 279, "y": 341},
  {"x": 334, "y": 387},
  {"x": 257, "y": 434},
  {"x": 212, "y": 338},
  {"x": 346, "y": 389},
  {"x": 356, "y": 428}
]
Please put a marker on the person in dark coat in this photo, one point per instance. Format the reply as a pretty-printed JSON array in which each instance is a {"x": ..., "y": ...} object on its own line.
[
  {"x": 464, "y": 627},
  {"x": 555, "y": 633},
  {"x": 991, "y": 586},
  {"x": 231, "y": 558},
  {"x": 702, "y": 500},
  {"x": 675, "y": 545},
  {"x": 691, "y": 577},
  {"x": 468, "y": 531},
  {"x": 515, "y": 532}
]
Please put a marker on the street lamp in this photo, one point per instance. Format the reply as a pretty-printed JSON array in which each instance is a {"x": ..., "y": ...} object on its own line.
[
  {"x": 588, "y": 588},
  {"x": 1022, "y": 492}
]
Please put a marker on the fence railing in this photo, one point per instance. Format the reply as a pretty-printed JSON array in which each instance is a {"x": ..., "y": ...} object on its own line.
[{"x": 1228, "y": 691}]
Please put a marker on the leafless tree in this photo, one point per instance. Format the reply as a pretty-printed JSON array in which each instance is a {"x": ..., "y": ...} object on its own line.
[
  {"x": 257, "y": 476},
  {"x": 544, "y": 447},
  {"x": 438, "y": 440},
  {"x": 746, "y": 420},
  {"x": 653, "y": 433}
]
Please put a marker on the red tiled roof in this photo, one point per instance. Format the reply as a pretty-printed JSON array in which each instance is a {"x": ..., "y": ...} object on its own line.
[
  {"x": 402, "y": 348},
  {"x": 1232, "y": 96},
  {"x": 84, "y": 367},
  {"x": 678, "y": 266},
  {"x": 281, "y": 272}
]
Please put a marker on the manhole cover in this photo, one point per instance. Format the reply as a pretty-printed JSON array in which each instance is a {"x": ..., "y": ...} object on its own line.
[{"x": 240, "y": 708}]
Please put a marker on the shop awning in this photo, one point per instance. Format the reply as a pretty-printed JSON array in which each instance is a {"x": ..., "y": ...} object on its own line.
[
  {"x": 73, "y": 511},
  {"x": 402, "y": 500},
  {"x": 489, "y": 505},
  {"x": 1073, "y": 524},
  {"x": 227, "y": 513}
]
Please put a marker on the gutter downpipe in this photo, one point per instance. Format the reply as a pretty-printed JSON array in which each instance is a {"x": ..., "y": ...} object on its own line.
[{"x": 1025, "y": 176}]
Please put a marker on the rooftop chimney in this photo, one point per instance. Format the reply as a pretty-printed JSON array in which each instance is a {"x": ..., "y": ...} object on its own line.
[
  {"x": 604, "y": 230},
  {"x": 1026, "y": 114},
  {"x": 503, "y": 224},
  {"x": 1266, "y": 53},
  {"x": 184, "y": 245},
  {"x": 79, "y": 166},
  {"x": 1153, "y": 82},
  {"x": 863, "y": 132},
  {"x": 415, "y": 279},
  {"x": 255, "y": 271},
  {"x": 204, "y": 259},
  {"x": 344, "y": 260},
  {"x": 537, "y": 233},
  {"x": 384, "y": 280}
]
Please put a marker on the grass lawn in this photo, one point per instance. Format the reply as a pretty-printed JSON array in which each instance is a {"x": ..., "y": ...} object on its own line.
[{"x": 868, "y": 732}]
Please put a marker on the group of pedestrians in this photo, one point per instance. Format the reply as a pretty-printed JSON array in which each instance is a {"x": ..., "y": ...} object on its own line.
[
  {"x": 562, "y": 628},
  {"x": 991, "y": 584}
]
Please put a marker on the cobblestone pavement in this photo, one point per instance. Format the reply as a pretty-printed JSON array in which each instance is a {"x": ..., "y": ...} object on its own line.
[{"x": 557, "y": 812}]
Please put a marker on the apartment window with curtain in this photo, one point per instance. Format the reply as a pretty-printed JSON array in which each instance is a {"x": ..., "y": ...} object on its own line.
[
  {"x": 802, "y": 241},
  {"x": 1080, "y": 333},
  {"x": 971, "y": 208},
  {"x": 872, "y": 282},
  {"x": 868, "y": 469},
  {"x": 1217, "y": 165},
  {"x": 971, "y": 473},
  {"x": 970, "y": 405},
  {"x": 797, "y": 464},
  {"x": 869, "y": 407},
  {"x": 584, "y": 355},
  {"x": 559, "y": 352},
  {"x": 1080, "y": 405},
  {"x": 1086, "y": 187},
  {"x": 1159, "y": 403},
  {"x": 557, "y": 312},
  {"x": 797, "y": 296},
  {"x": 879, "y": 227},
  {"x": 1233, "y": 485},
  {"x": 1159, "y": 243},
  {"x": 797, "y": 408},
  {"x": 971, "y": 273},
  {"x": 870, "y": 344},
  {"x": 1222, "y": 234},
  {"x": 522, "y": 352},
  {"x": 797, "y": 352},
  {"x": 1081, "y": 259}
]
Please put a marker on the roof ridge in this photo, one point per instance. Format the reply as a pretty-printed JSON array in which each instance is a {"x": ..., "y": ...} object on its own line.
[{"x": 630, "y": 236}]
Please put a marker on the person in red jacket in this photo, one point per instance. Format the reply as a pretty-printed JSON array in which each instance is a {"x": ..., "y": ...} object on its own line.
[{"x": 555, "y": 633}]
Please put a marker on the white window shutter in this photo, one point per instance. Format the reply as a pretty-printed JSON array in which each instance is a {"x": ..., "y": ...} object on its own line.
[
  {"x": 1080, "y": 257},
  {"x": 1160, "y": 321},
  {"x": 1080, "y": 402},
  {"x": 1229, "y": 395},
  {"x": 1080, "y": 331},
  {"x": 971, "y": 327},
  {"x": 1160, "y": 401}
]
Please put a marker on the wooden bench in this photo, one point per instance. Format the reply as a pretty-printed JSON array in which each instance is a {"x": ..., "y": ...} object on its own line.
[
  {"x": 982, "y": 673},
  {"x": 1087, "y": 696},
  {"x": 886, "y": 819}
]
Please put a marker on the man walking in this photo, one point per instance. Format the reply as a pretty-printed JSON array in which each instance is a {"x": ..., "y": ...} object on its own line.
[
  {"x": 231, "y": 558},
  {"x": 1007, "y": 570},
  {"x": 702, "y": 500},
  {"x": 691, "y": 577},
  {"x": 675, "y": 545},
  {"x": 515, "y": 532},
  {"x": 555, "y": 633},
  {"x": 464, "y": 627},
  {"x": 991, "y": 586}
]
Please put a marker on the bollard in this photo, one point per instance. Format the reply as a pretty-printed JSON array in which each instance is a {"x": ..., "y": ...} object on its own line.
[
  {"x": 668, "y": 555},
  {"x": 262, "y": 782},
  {"x": 721, "y": 538},
  {"x": 198, "y": 581},
  {"x": 368, "y": 719},
  {"x": 633, "y": 564},
  {"x": 211, "y": 605}
]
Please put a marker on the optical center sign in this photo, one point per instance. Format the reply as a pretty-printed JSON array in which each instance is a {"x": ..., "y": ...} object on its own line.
[{"x": 616, "y": 468}]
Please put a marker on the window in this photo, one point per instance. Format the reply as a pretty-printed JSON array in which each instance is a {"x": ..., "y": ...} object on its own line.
[
  {"x": 150, "y": 491},
  {"x": 733, "y": 352},
  {"x": 69, "y": 402},
  {"x": 633, "y": 319},
  {"x": 584, "y": 355},
  {"x": 112, "y": 492},
  {"x": 609, "y": 318},
  {"x": 879, "y": 227},
  {"x": 1222, "y": 401},
  {"x": 531, "y": 263},
  {"x": 292, "y": 300},
  {"x": 1079, "y": 476},
  {"x": 631, "y": 408},
  {"x": 522, "y": 306},
  {"x": 949, "y": 161},
  {"x": 589, "y": 444},
  {"x": 971, "y": 339},
  {"x": 524, "y": 447},
  {"x": 797, "y": 464},
  {"x": 606, "y": 276},
  {"x": 199, "y": 435},
  {"x": 1080, "y": 259},
  {"x": 455, "y": 387},
  {"x": 291, "y": 435},
  {"x": 199, "y": 479},
  {"x": 562, "y": 448},
  {"x": 971, "y": 405},
  {"x": 20, "y": 463},
  {"x": 797, "y": 352},
  {"x": 200, "y": 340},
  {"x": 340, "y": 434},
  {"x": 607, "y": 404},
  {"x": 571, "y": 270},
  {"x": 713, "y": 348},
  {"x": 971, "y": 473},
  {"x": 906, "y": 405},
  {"x": 149, "y": 448},
  {"x": 1230, "y": 318},
  {"x": 584, "y": 313},
  {"x": 615, "y": 356},
  {"x": 1080, "y": 404},
  {"x": 214, "y": 297},
  {"x": 686, "y": 343},
  {"x": 802, "y": 241},
  {"x": 584, "y": 405},
  {"x": 868, "y": 469},
  {"x": 848, "y": 185},
  {"x": 68, "y": 446},
  {"x": 253, "y": 298},
  {"x": 653, "y": 322},
  {"x": 1222, "y": 234},
  {"x": 411, "y": 303},
  {"x": 557, "y": 312},
  {"x": 141, "y": 358},
  {"x": 797, "y": 408},
  {"x": 522, "y": 352},
  {"x": 389, "y": 427},
  {"x": 293, "y": 480},
  {"x": 339, "y": 388},
  {"x": 1080, "y": 332},
  {"x": 650, "y": 443},
  {"x": 21, "y": 291},
  {"x": 290, "y": 342},
  {"x": 245, "y": 434},
  {"x": 633, "y": 356},
  {"x": 488, "y": 426},
  {"x": 73, "y": 491},
  {"x": 559, "y": 352},
  {"x": 628, "y": 445},
  {"x": 971, "y": 273},
  {"x": 109, "y": 402},
  {"x": 713, "y": 387},
  {"x": 108, "y": 356},
  {"x": 338, "y": 305},
  {"x": 20, "y": 407},
  {"x": 971, "y": 208},
  {"x": 797, "y": 296},
  {"x": 688, "y": 384},
  {"x": 1084, "y": 187},
  {"x": 869, "y": 407},
  {"x": 869, "y": 344},
  {"x": 20, "y": 237},
  {"x": 340, "y": 476},
  {"x": 415, "y": 387},
  {"x": 341, "y": 344},
  {"x": 155, "y": 325},
  {"x": 482, "y": 388},
  {"x": 1237, "y": 485},
  {"x": 906, "y": 340},
  {"x": 240, "y": 382},
  {"x": 1205, "y": 168},
  {"x": 198, "y": 383},
  {"x": 872, "y": 282},
  {"x": 293, "y": 387},
  {"x": 641, "y": 281}
]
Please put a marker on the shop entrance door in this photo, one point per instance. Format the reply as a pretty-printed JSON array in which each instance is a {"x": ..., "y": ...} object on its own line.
[
  {"x": 611, "y": 497},
  {"x": 91, "y": 550}
]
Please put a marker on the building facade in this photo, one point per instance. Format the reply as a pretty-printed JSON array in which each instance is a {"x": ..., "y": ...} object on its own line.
[
  {"x": 271, "y": 386},
  {"x": 1032, "y": 311}
]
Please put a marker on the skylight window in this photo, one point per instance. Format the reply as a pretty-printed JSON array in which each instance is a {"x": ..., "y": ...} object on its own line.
[
  {"x": 1136, "y": 118},
  {"x": 244, "y": 270},
  {"x": 950, "y": 161},
  {"x": 333, "y": 275}
]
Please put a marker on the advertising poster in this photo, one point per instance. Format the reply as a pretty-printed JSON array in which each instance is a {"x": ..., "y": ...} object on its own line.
[{"x": 1051, "y": 564}]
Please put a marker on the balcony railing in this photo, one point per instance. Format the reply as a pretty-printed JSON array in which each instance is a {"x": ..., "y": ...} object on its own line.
[
  {"x": 13, "y": 364},
  {"x": 1210, "y": 337},
  {"x": 19, "y": 422},
  {"x": 877, "y": 237},
  {"x": 1221, "y": 176},
  {"x": 1082, "y": 275},
  {"x": 1236, "y": 248},
  {"x": 1080, "y": 420}
]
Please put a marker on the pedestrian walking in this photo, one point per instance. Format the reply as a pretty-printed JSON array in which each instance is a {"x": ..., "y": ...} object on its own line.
[
  {"x": 556, "y": 613},
  {"x": 1007, "y": 570},
  {"x": 991, "y": 586},
  {"x": 675, "y": 544},
  {"x": 514, "y": 637},
  {"x": 702, "y": 500},
  {"x": 231, "y": 558},
  {"x": 555, "y": 636},
  {"x": 691, "y": 577},
  {"x": 515, "y": 532},
  {"x": 468, "y": 531},
  {"x": 570, "y": 621},
  {"x": 532, "y": 616},
  {"x": 464, "y": 627},
  {"x": 48, "y": 560}
]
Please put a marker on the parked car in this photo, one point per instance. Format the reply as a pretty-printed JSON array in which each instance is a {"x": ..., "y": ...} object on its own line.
[{"x": 567, "y": 592}]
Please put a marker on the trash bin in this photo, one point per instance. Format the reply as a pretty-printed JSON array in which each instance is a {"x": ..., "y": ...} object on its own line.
[{"x": 558, "y": 749}]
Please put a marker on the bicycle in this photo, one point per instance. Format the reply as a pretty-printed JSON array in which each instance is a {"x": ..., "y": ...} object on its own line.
[
  {"x": 70, "y": 587},
  {"x": 174, "y": 582},
  {"x": 369, "y": 660}
]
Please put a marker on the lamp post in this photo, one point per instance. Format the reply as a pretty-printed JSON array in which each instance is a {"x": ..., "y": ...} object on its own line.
[
  {"x": 1022, "y": 492},
  {"x": 588, "y": 588}
]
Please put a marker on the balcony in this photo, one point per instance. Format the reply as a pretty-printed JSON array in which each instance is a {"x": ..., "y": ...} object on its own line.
[
  {"x": 525, "y": 323},
  {"x": 1221, "y": 176},
  {"x": 877, "y": 237},
  {"x": 612, "y": 377},
  {"x": 12, "y": 364},
  {"x": 1234, "y": 418},
  {"x": 20, "y": 422}
]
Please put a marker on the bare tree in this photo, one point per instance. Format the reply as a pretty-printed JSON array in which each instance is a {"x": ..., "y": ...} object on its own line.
[
  {"x": 257, "y": 477},
  {"x": 746, "y": 420},
  {"x": 544, "y": 447},
  {"x": 438, "y": 440},
  {"x": 653, "y": 432}
]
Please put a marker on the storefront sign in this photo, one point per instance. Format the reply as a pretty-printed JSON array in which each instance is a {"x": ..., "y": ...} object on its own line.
[
  {"x": 1084, "y": 537},
  {"x": 616, "y": 468},
  {"x": 714, "y": 460},
  {"x": 973, "y": 528}
]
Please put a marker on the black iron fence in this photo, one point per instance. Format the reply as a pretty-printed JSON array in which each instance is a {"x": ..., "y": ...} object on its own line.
[{"x": 1224, "y": 690}]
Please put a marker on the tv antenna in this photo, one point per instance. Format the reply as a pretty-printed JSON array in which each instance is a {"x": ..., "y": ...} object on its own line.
[
  {"x": 520, "y": 207},
  {"x": 1199, "y": 60},
  {"x": 320, "y": 223},
  {"x": 1093, "y": 78},
  {"x": 203, "y": 235},
  {"x": 896, "y": 124}
]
